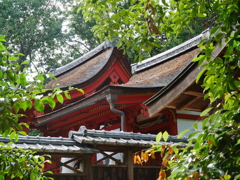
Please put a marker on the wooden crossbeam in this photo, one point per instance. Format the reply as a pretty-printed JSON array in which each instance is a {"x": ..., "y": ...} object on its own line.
[
  {"x": 65, "y": 164},
  {"x": 194, "y": 93},
  {"x": 109, "y": 156},
  {"x": 187, "y": 102}
]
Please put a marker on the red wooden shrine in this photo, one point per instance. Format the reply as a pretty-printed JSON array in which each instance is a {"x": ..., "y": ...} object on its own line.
[{"x": 115, "y": 92}]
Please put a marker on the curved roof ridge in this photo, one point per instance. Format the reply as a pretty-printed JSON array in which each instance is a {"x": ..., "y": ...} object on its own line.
[
  {"x": 136, "y": 67},
  {"x": 105, "y": 45}
]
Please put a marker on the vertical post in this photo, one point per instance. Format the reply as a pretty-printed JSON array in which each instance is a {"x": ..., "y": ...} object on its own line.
[
  {"x": 129, "y": 162},
  {"x": 88, "y": 167},
  {"x": 173, "y": 128}
]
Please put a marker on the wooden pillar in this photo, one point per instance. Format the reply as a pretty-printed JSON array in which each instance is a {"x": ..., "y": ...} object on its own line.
[
  {"x": 129, "y": 162},
  {"x": 88, "y": 167},
  {"x": 173, "y": 128}
]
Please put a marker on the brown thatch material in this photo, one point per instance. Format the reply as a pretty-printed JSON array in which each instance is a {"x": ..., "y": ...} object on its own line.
[
  {"x": 162, "y": 74},
  {"x": 82, "y": 73}
]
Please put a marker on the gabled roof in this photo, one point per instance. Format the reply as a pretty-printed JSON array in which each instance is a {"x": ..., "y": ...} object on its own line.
[
  {"x": 88, "y": 68},
  {"x": 162, "y": 74},
  {"x": 182, "y": 92},
  {"x": 171, "y": 53},
  {"x": 91, "y": 54},
  {"x": 160, "y": 70}
]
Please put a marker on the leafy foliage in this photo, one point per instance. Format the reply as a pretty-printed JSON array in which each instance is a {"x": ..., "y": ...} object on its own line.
[
  {"x": 214, "y": 153},
  {"x": 138, "y": 26},
  {"x": 21, "y": 163},
  {"x": 19, "y": 92},
  {"x": 47, "y": 32}
]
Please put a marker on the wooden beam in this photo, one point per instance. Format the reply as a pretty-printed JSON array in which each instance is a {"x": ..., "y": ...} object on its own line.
[
  {"x": 129, "y": 162},
  {"x": 109, "y": 156},
  {"x": 187, "y": 102},
  {"x": 104, "y": 157},
  {"x": 65, "y": 164},
  {"x": 193, "y": 93},
  {"x": 88, "y": 168}
]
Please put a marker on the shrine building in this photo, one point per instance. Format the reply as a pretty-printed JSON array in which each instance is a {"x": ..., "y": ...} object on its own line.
[
  {"x": 120, "y": 96},
  {"x": 122, "y": 109}
]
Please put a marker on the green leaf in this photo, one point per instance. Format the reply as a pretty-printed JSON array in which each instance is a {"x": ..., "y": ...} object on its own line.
[
  {"x": 183, "y": 132},
  {"x": 16, "y": 137},
  {"x": 204, "y": 122},
  {"x": 22, "y": 133},
  {"x": 238, "y": 142},
  {"x": 12, "y": 58},
  {"x": 60, "y": 98},
  {"x": 2, "y": 177},
  {"x": 158, "y": 137},
  {"x": 200, "y": 75},
  {"x": 20, "y": 54},
  {"x": 42, "y": 158},
  {"x": 25, "y": 62},
  {"x": 173, "y": 3},
  {"x": 165, "y": 136},
  {"x": 195, "y": 125},
  {"x": 227, "y": 177},
  {"x": 206, "y": 111},
  {"x": 32, "y": 176},
  {"x": 23, "y": 79},
  {"x": 192, "y": 135},
  {"x": 23, "y": 105},
  {"x": 39, "y": 105},
  {"x": 198, "y": 58},
  {"x": 196, "y": 145},
  {"x": 66, "y": 93},
  {"x": 40, "y": 77},
  {"x": 202, "y": 15},
  {"x": 12, "y": 135},
  {"x": 80, "y": 90},
  {"x": 15, "y": 123},
  {"x": 164, "y": 3},
  {"x": 49, "y": 101}
]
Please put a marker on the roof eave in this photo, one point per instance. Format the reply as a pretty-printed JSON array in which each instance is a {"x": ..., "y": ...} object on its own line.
[
  {"x": 181, "y": 83},
  {"x": 90, "y": 100}
]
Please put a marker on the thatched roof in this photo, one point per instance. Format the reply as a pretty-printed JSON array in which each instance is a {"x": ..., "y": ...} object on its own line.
[{"x": 162, "y": 74}]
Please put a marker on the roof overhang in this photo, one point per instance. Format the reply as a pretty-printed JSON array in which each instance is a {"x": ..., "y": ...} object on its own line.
[
  {"x": 93, "y": 99},
  {"x": 180, "y": 86},
  {"x": 49, "y": 145}
]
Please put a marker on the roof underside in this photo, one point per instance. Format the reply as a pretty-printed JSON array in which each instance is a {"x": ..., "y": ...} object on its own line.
[{"x": 183, "y": 93}]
